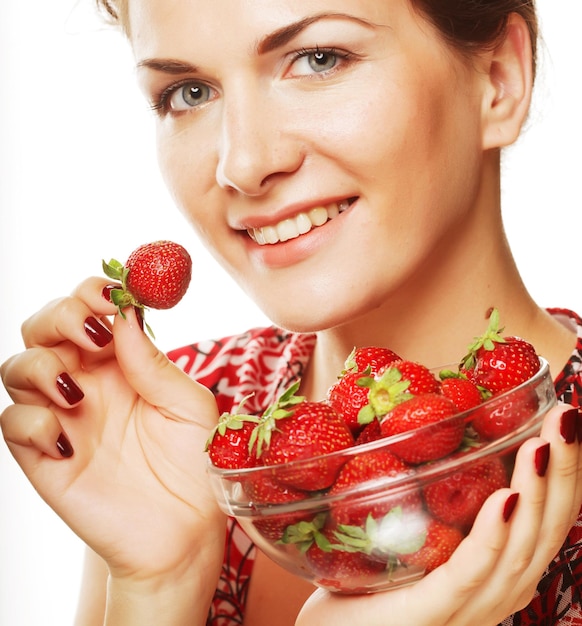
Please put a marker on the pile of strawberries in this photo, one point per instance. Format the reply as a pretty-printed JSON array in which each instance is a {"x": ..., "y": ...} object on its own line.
[{"x": 410, "y": 527}]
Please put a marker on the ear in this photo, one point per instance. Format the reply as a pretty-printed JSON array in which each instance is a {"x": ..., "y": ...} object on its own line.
[{"x": 507, "y": 97}]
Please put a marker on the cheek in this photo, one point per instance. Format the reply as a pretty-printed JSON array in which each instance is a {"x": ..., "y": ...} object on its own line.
[{"x": 188, "y": 171}]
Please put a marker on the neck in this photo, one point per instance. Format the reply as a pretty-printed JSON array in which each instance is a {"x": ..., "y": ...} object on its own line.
[{"x": 436, "y": 314}]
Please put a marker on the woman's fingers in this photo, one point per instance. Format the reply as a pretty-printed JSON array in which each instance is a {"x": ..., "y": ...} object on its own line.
[
  {"x": 159, "y": 381},
  {"x": 424, "y": 603},
  {"x": 79, "y": 318},
  {"x": 39, "y": 376},
  {"x": 495, "y": 570},
  {"x": 545, "y": 475},
  {"x": 471, "y": 566},
  {"x": 31, "y": 432}
]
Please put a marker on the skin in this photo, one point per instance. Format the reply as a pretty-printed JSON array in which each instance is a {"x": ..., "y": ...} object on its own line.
[{"x": 271, "y": 138}]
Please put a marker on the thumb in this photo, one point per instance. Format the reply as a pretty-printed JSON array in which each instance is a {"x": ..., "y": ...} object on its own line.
[{"x": 156, "y": 379}]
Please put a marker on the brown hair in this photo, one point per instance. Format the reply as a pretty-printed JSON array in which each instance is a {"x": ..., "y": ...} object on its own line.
[
  {"x": 467, "y": 25},
  {"x": 473, "y": 25}
]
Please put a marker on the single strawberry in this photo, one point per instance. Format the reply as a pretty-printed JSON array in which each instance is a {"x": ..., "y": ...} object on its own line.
[
  {"x": 370, "y": 432},
  {"x": 336, "y": 566},
  {"x": 440, "y": 543},
  {"x": 265, "y": 491},
  {"x": 295, "y": 429},
  {"x": 348, "y": 398},
  {"x": 457, "y": 499},
  {"x": 156, "y": 275},
  {"x": 394, "y": 384},
  {"x": 376, "y": 465},
  {"x": 420, "y": 378},
  {"x": 229, "y": 444},
  {"x": 440, "y": 433},
  {"x": 370, "y": 359},
  {"x": 505, "y": 413},
  {"x": 465, "y": 393},
  {"x": 347, "y": 395},
  {"x": 499, "y": 363}
]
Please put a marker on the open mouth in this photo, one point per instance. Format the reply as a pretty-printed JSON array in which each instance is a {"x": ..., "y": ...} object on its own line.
[{"x": 301, "y": 224}]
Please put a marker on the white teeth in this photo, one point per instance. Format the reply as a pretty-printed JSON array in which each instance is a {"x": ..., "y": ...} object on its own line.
[
  {"x": 303, "y": 223},
  {"x": 286, "y": 230},
  {"x": 291, "y": 228}
]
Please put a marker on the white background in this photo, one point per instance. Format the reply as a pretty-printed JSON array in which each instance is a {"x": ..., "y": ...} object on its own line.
[{"x": 78, "y": 183}]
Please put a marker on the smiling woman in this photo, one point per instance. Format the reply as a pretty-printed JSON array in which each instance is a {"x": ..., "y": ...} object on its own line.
[{"x": 343, "y": 168}]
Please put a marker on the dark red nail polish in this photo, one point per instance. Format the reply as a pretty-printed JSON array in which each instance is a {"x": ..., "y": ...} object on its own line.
[
  {"x": 106, "y": 291},
  {"x": 542, "y": 459},
  {"x": 579, "y": 421},
  {"x": 69, "y": 389},
  {"x": 64, "y": 446},
  {"x": 569, "y": 425},
  {"x": 99, "y": 334},
  {"x": 510, "y": 506}
]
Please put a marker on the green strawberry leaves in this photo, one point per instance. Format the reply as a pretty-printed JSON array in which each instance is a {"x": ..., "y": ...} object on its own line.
[
  {"x": 280, "y": 409},
  {"x": 121, "y": 297}
]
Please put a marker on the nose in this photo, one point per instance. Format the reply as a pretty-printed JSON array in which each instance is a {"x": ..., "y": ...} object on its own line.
[{"x": 257, "y": 144}]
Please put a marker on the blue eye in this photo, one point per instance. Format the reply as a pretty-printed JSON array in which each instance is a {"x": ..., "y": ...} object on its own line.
[
  {"x": 321, "y": 61},
  {"x": 188, "y": 96},
  {"x": 182, "y": 97}
]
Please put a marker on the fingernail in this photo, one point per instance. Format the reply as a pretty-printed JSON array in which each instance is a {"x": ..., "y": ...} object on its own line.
[
  {"x": 99, "y": 334},
  {"x": 106, "y": 291},
  {"x": 579, "y": 421},
  {"x": 542, "y": 459},
  {"x": 510, "y": 506},
  {"x": 64, "y": 446},
  {"x": 569, "y": 425},
  {"x": 69, "y": 389}
]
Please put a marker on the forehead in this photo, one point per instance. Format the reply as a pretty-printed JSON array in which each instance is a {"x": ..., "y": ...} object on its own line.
[{"x": 179, "y": 26}]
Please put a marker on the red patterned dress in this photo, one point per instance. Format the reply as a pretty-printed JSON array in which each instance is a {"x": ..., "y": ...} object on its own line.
[{"x": 264, "y": 362}]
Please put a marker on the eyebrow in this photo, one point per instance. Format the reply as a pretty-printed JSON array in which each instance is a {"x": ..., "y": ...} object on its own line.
[
  {"x": 168, "y": 66},
  {"x": 284, "y": 35},
  {"x": 270, "y": 42}
]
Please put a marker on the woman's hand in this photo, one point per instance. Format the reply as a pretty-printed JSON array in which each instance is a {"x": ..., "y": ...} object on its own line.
[
  {"x": 135, "y": 487},
  {"x": 495, "y": 570}
]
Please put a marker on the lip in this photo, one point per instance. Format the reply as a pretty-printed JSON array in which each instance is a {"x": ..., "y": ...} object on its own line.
[
  {"x": 296, "y": 222},
  {"x": 293, "y": 251},
  {"x": 290, "y": 211}
]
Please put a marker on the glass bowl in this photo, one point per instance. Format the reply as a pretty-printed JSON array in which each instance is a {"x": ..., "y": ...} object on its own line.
[{"x": 385, "y": 522}]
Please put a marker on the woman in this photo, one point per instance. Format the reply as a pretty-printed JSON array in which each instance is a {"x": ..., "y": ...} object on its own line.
[{"x": 347, "y": 159}]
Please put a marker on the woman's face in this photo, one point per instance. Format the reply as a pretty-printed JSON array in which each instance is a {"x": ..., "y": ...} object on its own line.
[{"x": 325, "y": 156}]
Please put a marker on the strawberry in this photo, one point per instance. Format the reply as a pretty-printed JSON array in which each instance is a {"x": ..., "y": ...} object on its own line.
[
  {"x": 504, "y": 414},
  {"x": 362, "y": 468},
  {"x": 229, "y": 445},
  {"x": 370, "y": 359},
  {"x": 266, "y": 491},
  {"x": 462, "y": 391},
  {"x": 394, "y": 384},
  {"x": 458, "y": 498},
  {"x": 370, "y": 432},
  {"x": 499, "y": 363},
  {"x": 441, "y": 541},
  {"x": 293, "y": 429},
  {"x": 331, "y": 561},
  {"x": 155, "y": 275},
  {"x": 347, "y": 395},
  {"x": 429, "y": 409},
  {"x": 420, "y": 378}
]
